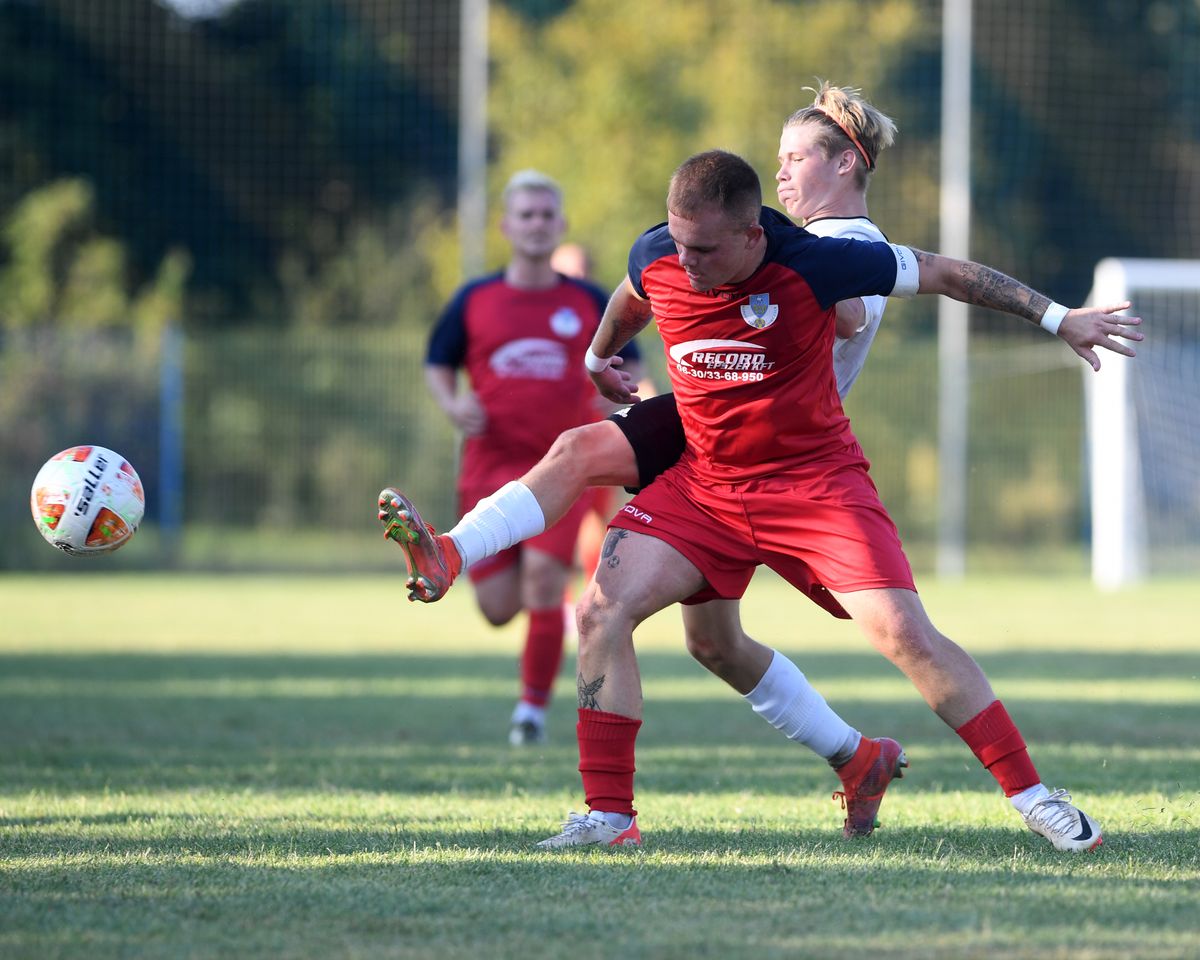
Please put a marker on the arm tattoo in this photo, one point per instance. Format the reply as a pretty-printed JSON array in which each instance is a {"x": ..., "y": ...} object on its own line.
[
  {"x": 609, "y": 552},
  {"x": 622, "y": 326},
  {"x": 588, "y": 692},
  {"x": 984, "y": 287}
]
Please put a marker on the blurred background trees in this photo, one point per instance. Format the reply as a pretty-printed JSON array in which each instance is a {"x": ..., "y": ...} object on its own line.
[{"x": 278, "y": 177}]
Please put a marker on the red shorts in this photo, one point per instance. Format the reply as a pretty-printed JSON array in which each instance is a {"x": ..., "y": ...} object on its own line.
[
  {"x": 558, "y": 541},
  {"x": 821, "y": 528}
]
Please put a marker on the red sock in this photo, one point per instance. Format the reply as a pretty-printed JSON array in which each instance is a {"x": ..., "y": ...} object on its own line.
[
  {"x": 996, "y": 741},
  {"x": 542, "y": 656},
  {"x": 606, "y": 742}
]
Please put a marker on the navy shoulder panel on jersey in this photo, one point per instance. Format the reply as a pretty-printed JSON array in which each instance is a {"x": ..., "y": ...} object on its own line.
[
  {"x": 652, "y": 245},
  {"x": 447, "y": 345},
  {"x": 834, "y": 268}
]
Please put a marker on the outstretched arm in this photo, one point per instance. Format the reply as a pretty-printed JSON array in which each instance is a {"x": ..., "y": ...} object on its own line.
[
  {"x": 1083, "y": 328},
  {"x": 625, "y": 316}
]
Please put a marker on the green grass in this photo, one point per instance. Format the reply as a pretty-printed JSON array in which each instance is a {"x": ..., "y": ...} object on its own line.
[{"x": 312, "y": 768}]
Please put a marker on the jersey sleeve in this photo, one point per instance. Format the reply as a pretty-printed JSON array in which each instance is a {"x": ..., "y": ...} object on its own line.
[
  {"x": 843, "y": 268},
  {"x": 447, "y": 345},
  {"x": 647, "y": 248}
]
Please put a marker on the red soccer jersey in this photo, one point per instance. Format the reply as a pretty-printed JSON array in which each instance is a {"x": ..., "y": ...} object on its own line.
[
  {"x": 523, "y": 351},
  {"x": 751, "y": 363}
]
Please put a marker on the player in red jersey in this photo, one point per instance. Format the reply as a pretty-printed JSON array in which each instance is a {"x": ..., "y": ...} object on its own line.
[
  {"x": 520, "y": 335},
  {"x": 772, "y": 473},
  {"x": 827, "y": 154}
]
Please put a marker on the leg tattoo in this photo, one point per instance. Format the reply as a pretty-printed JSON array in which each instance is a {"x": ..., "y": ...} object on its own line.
[
  {"x": 588, "y": 691},
  {"x": 609, "y": 552}
]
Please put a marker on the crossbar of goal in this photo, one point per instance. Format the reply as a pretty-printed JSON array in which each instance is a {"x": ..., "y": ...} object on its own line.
[{"x": 1116, "y": 447}]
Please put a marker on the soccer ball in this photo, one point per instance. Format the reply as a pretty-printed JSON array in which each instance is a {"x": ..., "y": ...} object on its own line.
[{"x": 87, "y": 501}]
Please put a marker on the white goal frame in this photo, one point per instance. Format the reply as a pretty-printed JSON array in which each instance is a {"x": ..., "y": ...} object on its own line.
[{"x": 1118, "y": 507}]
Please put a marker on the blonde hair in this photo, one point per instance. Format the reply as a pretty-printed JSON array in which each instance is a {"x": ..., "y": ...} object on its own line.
[
  {"x": 847, "y": 122},
  {"x": 531, "y": 180}
]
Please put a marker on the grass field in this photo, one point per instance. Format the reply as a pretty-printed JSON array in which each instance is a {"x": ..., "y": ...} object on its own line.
[{"x": 313, "y": 768}]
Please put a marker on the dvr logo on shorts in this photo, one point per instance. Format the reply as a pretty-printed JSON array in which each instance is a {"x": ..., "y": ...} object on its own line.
[
  {"x": 637, "y": 514},
  {"x": 760, "y": 312}
]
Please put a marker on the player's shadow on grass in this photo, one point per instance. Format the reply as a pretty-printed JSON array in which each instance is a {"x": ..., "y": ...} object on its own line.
[
  {"x": 690, "y": 892},
  {"x": 167, "y": 835},
  {"x": 415, "y": 724}
]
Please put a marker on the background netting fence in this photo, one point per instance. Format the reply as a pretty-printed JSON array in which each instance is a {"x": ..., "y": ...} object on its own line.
[
  {"x": 278, "y": 180},
  {"x": 1166, "y": 396}
]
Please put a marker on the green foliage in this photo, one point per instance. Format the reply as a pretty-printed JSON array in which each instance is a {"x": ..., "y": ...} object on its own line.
[
  {"x": 381, "y": 276},
  {"x": 612, "y": 120},
  {"x": 58, "y": 271}
]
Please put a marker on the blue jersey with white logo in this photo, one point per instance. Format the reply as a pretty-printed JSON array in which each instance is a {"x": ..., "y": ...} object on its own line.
[{"x": 751, "y": 363}]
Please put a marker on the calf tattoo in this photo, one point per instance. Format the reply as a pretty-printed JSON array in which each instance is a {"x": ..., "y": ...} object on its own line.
[
  {"x": 609, "y": 551},
  {"x": 588, "y": 691}
]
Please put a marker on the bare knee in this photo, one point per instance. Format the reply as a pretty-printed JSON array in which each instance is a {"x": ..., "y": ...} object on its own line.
[
  {"x": 593, "y": 614},
  {"x": 577, "y": 452},
  {"x": 498, "y": 615},
  {"x": 499, "y": 597},
  {"x": 595, "y": 455},
  {"x": 903, "y": 640},
  {"x": 707, "y": 648},
  {"x": 601, "y": 622}
]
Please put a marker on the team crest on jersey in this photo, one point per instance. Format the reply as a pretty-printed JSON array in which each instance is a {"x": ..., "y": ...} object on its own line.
[
  {"x": 565, "y": 322},
  {"x": 760, "y": 312}
]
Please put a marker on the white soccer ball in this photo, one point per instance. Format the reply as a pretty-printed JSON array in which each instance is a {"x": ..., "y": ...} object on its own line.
[{"x": 87, "y": 501}]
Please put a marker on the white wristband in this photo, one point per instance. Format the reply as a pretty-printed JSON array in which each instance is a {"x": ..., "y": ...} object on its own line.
[
  {"x": 594, "y": 363},
  {"x": 1053, "y": 317}
]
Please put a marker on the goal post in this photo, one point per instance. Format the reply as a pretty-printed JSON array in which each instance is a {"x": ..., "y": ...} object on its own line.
[{"x": 1143, "y": 427}]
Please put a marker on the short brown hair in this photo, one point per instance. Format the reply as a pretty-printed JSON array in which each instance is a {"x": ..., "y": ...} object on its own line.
[{"x": 716, "y": 178}]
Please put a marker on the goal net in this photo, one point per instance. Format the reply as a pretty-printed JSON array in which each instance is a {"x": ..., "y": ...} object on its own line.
[{"x": 1144, "y": 427}]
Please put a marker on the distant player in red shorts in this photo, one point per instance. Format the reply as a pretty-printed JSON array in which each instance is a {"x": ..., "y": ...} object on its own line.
[
  {"x": 519, "y": 335},
  {"x": 772, "y": 474}
]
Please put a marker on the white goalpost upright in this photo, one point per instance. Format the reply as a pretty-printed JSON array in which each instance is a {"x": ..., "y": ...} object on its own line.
[{"x": 1143, "y": 427}]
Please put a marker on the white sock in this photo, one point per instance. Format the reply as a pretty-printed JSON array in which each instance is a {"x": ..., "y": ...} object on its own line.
[
  {"x": 527, "y": 712},
  {"x": 789, "y": 703},
  {"x": 1025, "y": 800},
  {"x": 497, "y": 522},
  {"x": 620, "y": 821}
]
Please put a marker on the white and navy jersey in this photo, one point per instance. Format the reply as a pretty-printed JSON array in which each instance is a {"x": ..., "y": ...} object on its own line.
[{"x": 850, "y": 355}]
